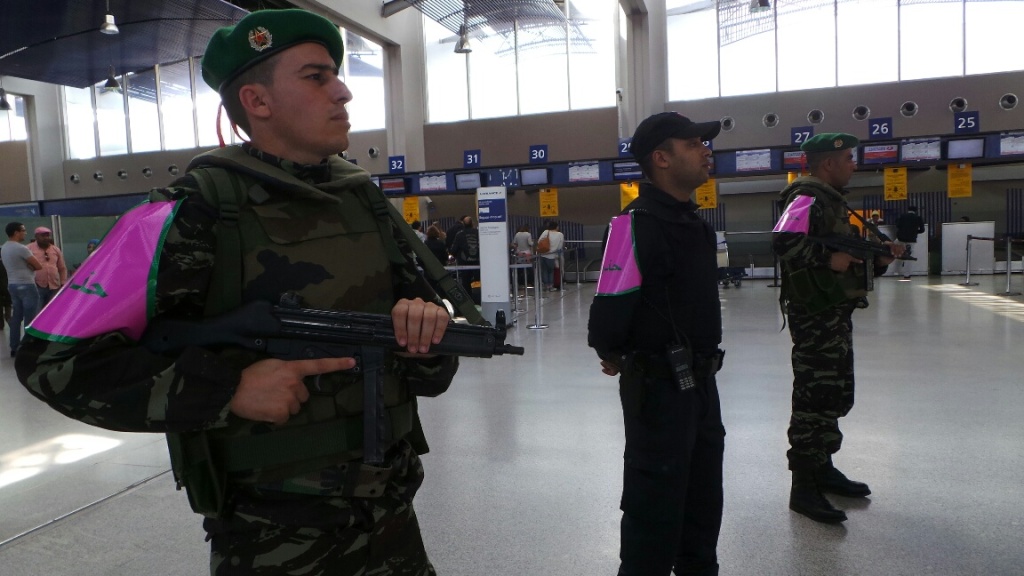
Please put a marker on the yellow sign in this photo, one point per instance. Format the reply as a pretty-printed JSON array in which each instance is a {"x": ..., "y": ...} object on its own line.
[
  {"x": 411, "y": 208},
  {"x": 895, "y": 183},
  {"x": 628, "y": 191},
  {"x": 958, "y": 180},
  {"x": 707, "y": 194},
  {"x": 548, "y": 202}
]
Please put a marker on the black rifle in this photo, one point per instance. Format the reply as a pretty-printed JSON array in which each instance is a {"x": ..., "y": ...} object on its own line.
[
  {"x": 861, "y": 249},
  {"x": 288, "y": 332}
]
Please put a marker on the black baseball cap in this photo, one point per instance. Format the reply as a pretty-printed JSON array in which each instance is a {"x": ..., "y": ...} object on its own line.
[{"x": 660, "y": 127}]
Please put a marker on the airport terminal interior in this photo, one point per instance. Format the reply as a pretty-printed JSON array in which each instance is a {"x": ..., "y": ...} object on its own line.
[
  {"x": 525, "y": 467},
  {"x": 539, "y": 98}
]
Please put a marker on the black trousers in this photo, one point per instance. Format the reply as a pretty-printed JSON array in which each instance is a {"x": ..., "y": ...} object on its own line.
[{"x": 672, "y": 484}]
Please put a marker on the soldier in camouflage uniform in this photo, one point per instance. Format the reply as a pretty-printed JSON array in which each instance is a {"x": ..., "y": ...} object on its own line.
[
  {"x": 272, "y": 457},
  {"x": 820, "y": 290}
]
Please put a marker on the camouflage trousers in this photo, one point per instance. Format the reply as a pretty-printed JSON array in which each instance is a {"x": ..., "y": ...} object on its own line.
[
  {"x": 331, "y": 536},
  {"x": 822, "y": 384}
]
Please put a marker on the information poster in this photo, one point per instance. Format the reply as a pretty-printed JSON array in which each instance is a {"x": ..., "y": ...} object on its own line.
[
  {"x": 707, "y": 194},
  {"x": 628, "y": 191},
  {"x": 548, "y": 202},
  {"x": 492, "y": 212},
  {"x": 411, "y": 208},
  {"x": 958, "y": 180},
  {"x": 895, "y": 183}
]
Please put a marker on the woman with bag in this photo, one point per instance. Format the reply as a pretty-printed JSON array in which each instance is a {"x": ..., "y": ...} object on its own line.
[{"x": 549, "y": 246}]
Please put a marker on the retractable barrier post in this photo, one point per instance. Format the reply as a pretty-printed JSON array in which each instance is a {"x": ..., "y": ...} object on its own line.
[
  {"x": 968, "y": 282},
  {"x": 538, "y": 295},
  {"x": 1009, "y": 267}
]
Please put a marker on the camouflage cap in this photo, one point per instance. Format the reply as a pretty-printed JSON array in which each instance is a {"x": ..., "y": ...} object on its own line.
[
  {"x": 261, "y": 34},
  {"x": 829, "y": 142}
]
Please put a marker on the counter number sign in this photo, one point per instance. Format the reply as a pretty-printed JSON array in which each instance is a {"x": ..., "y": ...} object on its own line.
[
  {"x": 880, "y": 129},
  {"x": 800, "y": 134},
  {"x": 968, "y": 122},
  {"x": 471, "y": 159},
  {"x": 396, "y": 164},
  {"x": 625, "y": 150},
  {"x": 538, "y": 153}
]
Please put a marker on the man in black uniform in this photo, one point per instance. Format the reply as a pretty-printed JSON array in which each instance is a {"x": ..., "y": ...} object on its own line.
[
  {"x": 656, "y": 322},
  {"x": 908, "y": 226}
]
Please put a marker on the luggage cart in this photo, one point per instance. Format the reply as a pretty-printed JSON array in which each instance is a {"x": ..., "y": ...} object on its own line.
[{"x": 727, "y": 275}]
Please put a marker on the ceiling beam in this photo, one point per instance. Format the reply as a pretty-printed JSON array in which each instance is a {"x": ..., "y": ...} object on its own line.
[{"x": 393, "y": 7}]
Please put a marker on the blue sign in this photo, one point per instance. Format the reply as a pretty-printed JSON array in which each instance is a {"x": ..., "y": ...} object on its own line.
[
  {"x": 880, "y": 129},
  {"x": 491, "y": 210},
  {"x": 624, "y": 147},
  {"x": 509, "y": 177},
  {"x": 800, "y": 134},
  {"x": 396, "y": 164},
  {"x": 471, "y": 159},
  {"x": 968, "y": 122},
  {"x": 538, "y": 153}
]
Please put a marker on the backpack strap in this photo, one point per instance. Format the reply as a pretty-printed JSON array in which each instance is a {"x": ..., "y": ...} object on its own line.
[
  {"x": 387, "y": 214},
  {"x": 225, "y": 190}
]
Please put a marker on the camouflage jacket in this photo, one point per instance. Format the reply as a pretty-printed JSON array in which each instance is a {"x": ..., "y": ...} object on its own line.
[
  {"x": 111, "y": 382},
  {"x": 828, "y": 216}
]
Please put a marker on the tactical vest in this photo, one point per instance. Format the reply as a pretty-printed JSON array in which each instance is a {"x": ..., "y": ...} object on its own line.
[
  {"x": 817, "y": 289},
  {"x": 331, "y": 244}
]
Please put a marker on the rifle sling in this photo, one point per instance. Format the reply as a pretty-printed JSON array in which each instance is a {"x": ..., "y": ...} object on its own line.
[{"x": 300, "y": 443}]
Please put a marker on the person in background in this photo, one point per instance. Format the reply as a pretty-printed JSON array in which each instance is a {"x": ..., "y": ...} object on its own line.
[
  {"x": 656, "y": 322},
  {"x": 54, "y": 273},
  {"x": 451, "y": 233},
  {"x": 21, "y": 267},
  {"x": 908, "y": 226},
  {"x": 5, "y": 297},
  {"x": 288, "y": 489},
  {"x": 436, "y": 244},
  {"x": 522, "y": 243},
  {"x": 416, "y": 227},
  {"x": 820, "y": 290},
  {"x": 549, "y": 260}
]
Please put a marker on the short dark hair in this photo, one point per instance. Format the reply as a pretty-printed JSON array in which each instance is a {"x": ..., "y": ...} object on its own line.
[
  {"x": 416, "y": 225},
  {"x": 262, "y": 73},
  {"x": 14, "y": 227},
  {"x": 645, "y": 162}
]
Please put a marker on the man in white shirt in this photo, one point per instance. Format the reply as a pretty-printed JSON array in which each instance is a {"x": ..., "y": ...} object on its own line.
[
  {"x": 21, "y": 268},
  {"x": 549, "y": 260}
]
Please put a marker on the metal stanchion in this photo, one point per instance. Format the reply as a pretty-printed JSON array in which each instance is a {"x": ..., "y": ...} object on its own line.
[
  {"x": 1009, "y": 266},
  {"x": 538, "y": 294},
  {"x": 775, "y": 273},
  {"x": 968, "y": 280}
]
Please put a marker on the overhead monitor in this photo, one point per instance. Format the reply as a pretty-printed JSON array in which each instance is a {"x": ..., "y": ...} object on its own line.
[
  {"x": 394, "y": 186},
  {"x": 468, "y": 180},
  {"x": 881, "y": 154},
  {"x": 534, "y": 176},
  {"x": 626, "y": 170},
  {"x": 794, "y": 160},
  {"x": 921, "y": 150},
  {"x": 963, "y": 149}
]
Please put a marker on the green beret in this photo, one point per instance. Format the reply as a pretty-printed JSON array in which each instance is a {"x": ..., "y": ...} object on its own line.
[
  {"x": 261, "y": 34},
  {"x": 829, "y": 142}
]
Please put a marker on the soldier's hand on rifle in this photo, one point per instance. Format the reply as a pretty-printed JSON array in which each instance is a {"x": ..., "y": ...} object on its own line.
[
  {"x": 897, "y": 251},
  {"x": 272, "y": 390},
  {"x": 840, "y": 261},
  {"x": 418, "y": 324}
]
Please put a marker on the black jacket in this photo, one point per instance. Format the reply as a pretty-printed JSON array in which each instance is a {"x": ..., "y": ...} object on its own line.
[
  {"x": 676, "y": 254},
  {"x": 908, "y": 226}
]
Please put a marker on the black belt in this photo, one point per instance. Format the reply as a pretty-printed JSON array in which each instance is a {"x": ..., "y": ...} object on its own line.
[{"x": 705, "y": 364}]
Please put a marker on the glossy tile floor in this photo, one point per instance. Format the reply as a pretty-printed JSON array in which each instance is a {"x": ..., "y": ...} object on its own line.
[{"x": 525, "y": 471}]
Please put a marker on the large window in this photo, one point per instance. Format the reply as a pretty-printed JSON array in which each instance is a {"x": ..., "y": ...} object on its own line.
[
  {"x": 12, "y": 122},
  {"x": 143, "y": 117},
  {"x": 798, "y": 44},
  {"x": 176, "y": 106},
  {"x": 363, "y": 72},
  {"x": 111, "y": 120},
  {"x": 523, "y": 67}
]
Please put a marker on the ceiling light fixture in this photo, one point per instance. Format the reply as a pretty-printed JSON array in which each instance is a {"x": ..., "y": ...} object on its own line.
[
  {"x": 462, "y": 46},
  {"x": 111, "y": 85},
  {"x": 760, "y": 5},
  {"x": 109, "y": 26}
]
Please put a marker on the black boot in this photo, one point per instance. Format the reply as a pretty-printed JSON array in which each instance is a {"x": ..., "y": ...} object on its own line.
[
  {"x": 806, "y": 499},
  {"x": 831, "y": 480}
]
